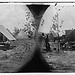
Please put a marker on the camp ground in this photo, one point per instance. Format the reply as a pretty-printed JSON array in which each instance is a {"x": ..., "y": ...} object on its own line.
[
  {"x": 15, "y": 49},
  {"x": 58, "y": 47},
  {"x": 5, "y": 37},
  {"x": 69, "y": 40},
  {"x": 21, "y": 16},
  {"x": 65, "y": 31},
  {"x": 6, "y": 33}
]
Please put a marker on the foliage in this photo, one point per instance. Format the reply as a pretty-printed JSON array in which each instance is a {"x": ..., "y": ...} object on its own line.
[
  {"x": 16, "y": 31},
  {"x": 56, "y": 25},
  {"x": 55, "y": 22}
]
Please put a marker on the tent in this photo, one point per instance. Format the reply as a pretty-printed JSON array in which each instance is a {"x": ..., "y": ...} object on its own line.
[
  {"x": 70, "y": 35},
  {"x": 5, "y": 32},
  {"x": 22, "y": 35},
  {"x": 9, "y": 31}
]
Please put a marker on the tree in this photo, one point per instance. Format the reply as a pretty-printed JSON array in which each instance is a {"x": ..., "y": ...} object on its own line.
[
  {"x": 56, "y": 25},
  {"x": 30, "y": 27},
  {"x": 30, "y": 34}
]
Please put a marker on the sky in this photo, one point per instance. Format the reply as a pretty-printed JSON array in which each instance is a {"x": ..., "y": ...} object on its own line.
[
  {"x": 66, "y": 13},
  {"x": 13, "y": 15},
  {"x": 46, "y": 21}
]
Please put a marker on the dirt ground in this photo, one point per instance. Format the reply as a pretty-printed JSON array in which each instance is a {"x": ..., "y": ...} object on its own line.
[
  {"x": 11, "y": 60},
  {"x": 62, "y": 61}
]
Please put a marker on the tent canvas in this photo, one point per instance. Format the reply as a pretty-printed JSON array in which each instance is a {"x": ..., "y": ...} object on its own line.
[
  {"x": 22, "y": 35},
  {"x": 70, "y": 36},
  {"x": 5, "y": 32},
  {"x": 9, "y": 31}
]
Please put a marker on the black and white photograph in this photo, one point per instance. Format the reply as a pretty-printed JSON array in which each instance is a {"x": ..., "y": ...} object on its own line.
[{"x": 37, "y": 37}]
